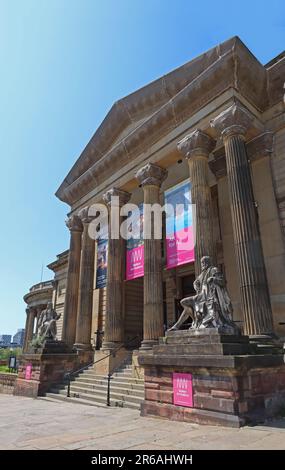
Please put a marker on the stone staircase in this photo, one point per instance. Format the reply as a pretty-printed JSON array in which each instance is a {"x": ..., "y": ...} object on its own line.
[{"x": 89, "y": 388}]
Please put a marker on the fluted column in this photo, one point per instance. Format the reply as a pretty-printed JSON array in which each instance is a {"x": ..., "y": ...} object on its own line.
[
  {"x": 37, "y": 316},
  {"x": 196, "y": 147},
  {"x": 150, "y": 177},
  {"x": 72, "y": 287},
  {"x": 84, "y": 314},
  {"x": 114, "y": 319},
  {"x": 29, "y": 327},
  {"x": 233, "y": 125}
]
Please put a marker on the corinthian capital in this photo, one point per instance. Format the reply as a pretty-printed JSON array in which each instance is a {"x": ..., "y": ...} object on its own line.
[
  {"x": 197, "y": 143},
  {"x": 151, "y": 175},
  {"x": 123, "y": 196},
  {"x": 235, "y": 120},
  {"x": 74, "y": 223},
  {"x": 84, "y": 215}
]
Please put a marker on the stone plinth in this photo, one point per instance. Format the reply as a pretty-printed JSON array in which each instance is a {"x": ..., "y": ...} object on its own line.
[
  {"x": 107, "y": 360},
  {"x": 7, "y": 382},
  {"x": 47, "y": 365},
  {"x": 232, "y": 385}
]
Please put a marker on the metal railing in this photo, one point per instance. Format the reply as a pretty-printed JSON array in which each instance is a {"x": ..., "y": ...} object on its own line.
[{"x": 68, "y": 376}]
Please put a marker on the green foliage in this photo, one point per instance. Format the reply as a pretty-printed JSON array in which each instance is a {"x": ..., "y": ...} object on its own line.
[
  {"x": 37, "y": 342},
  {"x": 5, "y": 353},
  {"x": 4, "y": 369}
]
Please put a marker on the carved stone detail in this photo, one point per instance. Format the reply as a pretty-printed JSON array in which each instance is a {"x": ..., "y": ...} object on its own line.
[
  {"x": 151, "y": 175},
  {"x": 260, "y": 146},
  {"x": 74, "y": 223},
  {"x": 123, "y": 196},
  {"x": 83, "y": 214},
  {"x": 235, "y": 120},
  {"x": 196, "y": 143}
]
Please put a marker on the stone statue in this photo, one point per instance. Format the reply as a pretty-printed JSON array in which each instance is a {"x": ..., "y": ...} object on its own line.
[
  {"x": 47, "y": 324},
  {"x": 211, "y": 307}
]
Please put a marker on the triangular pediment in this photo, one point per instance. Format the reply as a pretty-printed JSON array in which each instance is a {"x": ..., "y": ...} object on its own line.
[{"x": 132, "y": 119}]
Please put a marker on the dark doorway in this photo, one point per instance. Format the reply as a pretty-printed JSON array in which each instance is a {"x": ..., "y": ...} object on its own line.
[{"x": 187, "y": 290}]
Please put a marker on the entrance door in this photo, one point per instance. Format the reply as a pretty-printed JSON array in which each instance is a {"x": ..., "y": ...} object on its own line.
[{"x": 133, "y": 313}]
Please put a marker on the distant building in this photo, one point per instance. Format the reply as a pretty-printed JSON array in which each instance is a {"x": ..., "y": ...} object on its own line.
[
  {"x": 18, "y": 338},
  {"x": 5, "y": 340}
]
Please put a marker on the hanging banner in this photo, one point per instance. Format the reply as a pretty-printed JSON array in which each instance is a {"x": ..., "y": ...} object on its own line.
[
  {"x": 179, "y": 225},
  {"x": 101, "y": 271},
  {"x": 135, "y": 247}
]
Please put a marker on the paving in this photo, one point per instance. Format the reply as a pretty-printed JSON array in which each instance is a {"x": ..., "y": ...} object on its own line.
[{"x": 42, "y": 423}]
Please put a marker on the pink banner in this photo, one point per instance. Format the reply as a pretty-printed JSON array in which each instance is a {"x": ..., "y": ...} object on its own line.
[
  {"x": 180, "y": 248},
  {"x": 135, "y": 263},
  {"x": 179, "y": 225},
  {"x": 28, "y": 372},
  {"x": 182, "y": 389},
  {"x": 135, "y": 246}
]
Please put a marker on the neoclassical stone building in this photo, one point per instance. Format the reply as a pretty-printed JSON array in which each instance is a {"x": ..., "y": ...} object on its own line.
[
  {"x": 48, "y": 291},
  {"x": 217, "y": 122}
]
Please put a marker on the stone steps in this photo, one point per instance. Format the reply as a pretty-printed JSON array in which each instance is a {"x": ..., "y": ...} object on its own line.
[
  {"x": 91, "y": 388},
  {"x": 120, "y": 378},
  {"x": 100, "y": 390},
  {"x": 93, "y": 400},
  {"x": 93, "y": 383},
  {"x": 57, "y": 397},
  {"x": 99, "y": 395}
]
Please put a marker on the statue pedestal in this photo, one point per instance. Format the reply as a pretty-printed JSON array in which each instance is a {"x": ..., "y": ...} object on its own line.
[
  {"x": 40, "y": 368},
  {"x": 211, "y": 377}
]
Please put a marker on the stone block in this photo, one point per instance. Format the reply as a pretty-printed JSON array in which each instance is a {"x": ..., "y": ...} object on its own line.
[
  {"x": 229, "y": 387},
  {"x": 223, "y": 394},
  {"x": 208, "y": 402},
  {"x": 152, "y": 385},
  {"x": 161, "y": 396}
]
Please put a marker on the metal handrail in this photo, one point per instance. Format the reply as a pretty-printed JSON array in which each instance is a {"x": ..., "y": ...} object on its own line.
[{"x": 68, "y": 375}]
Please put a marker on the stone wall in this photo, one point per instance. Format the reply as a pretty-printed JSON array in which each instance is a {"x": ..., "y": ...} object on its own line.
[
  {"x": 7, "y": 382},
  {"x": 225, "y": 396},
  {"x": 46, "y": 370}
]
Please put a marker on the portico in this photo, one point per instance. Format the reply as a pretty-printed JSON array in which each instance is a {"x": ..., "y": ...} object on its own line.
[{"x": 206, "y": 125}]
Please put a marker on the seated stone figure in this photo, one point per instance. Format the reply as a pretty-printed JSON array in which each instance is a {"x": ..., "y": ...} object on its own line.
[
  {"x": 211, "y": 307},
  {"x": 47, "y": 323}
]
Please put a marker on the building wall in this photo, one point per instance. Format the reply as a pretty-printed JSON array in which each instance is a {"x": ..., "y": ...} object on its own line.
[{"x": 278, "y": 170}]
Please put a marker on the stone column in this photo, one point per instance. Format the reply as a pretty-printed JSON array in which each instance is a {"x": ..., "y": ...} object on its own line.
[
  {"x": 233, "y": 124},
  {"x": 85, "y": 300},
  {"x": 114, "y": 320},
  {"x": 196, "y": 147},
  {"x": 150, "y": 177},
  {"x": 37, "y": 316},
  {"x": 29, "y": 327},
  {"x": 72, "y": 287}
]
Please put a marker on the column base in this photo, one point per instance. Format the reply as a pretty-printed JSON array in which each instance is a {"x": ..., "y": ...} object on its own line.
[
  {"x": 148, "y": 344},
  {"x": 108, "y": 360},
  {"x": 267, "y": 343},
  {"x": 109, "y": 345},
  {"x": 82, "y": 347}
]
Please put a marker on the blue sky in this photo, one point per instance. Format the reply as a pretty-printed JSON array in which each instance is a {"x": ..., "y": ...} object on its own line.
[{"x": 63, "y": 64}]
